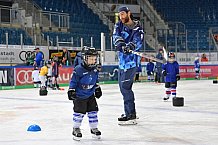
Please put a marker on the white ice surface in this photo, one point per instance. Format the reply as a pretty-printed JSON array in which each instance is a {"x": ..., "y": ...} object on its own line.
[{"x": 159, "y": 122}]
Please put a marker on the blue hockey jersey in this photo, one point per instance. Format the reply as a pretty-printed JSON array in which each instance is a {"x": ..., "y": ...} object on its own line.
[
  {"x": 84, "y": 81},
  {"x": 150, "y": 67},
  {"x": 197, "y": 64},
  {"x": 172, "y": 70},
  {"x": 55, "y": 69},
  {"x": 135, "y": 35}
]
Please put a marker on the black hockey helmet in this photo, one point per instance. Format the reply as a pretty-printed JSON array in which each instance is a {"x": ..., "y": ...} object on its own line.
[
  {"x": 171, "y": 55},
  {"x": 86, "y": 53}
]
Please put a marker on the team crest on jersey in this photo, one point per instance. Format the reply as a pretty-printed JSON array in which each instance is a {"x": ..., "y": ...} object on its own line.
[
  {"x": 87, "y": 87},
  {"x": 85, "y": 73}
]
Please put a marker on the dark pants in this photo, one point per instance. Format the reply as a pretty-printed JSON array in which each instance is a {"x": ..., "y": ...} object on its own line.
[
  {"x": 170, "y": 85},
  {"x": 137, "y": 76},
  {"x": 126, "y": 78},
  {"x": 85, "y": 105},
  {"x": 159, "y": 76}
]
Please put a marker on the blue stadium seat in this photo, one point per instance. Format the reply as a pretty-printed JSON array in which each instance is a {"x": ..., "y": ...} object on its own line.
[
  {"x": 83, "y": 22},
  {"x": 14, "y": 36},
  {"x": 197, "y": 15}
]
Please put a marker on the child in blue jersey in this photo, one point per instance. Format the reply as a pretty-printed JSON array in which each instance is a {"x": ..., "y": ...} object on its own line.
[
  {"x": 171, "y": 73},
  {"x": 83, "y": 90},
  {"x": 150, "y": 70},
  {"x": 127, "y": 36},
  {"x": 55, "y": 73},
  {"x": 197, "y": 68}
]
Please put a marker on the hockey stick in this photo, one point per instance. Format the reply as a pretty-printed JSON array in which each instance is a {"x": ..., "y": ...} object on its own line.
[{"x": 149, "y": 57}]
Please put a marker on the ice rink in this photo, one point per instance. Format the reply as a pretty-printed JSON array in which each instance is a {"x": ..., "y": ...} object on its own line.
[{"x": 159, "y": 122}]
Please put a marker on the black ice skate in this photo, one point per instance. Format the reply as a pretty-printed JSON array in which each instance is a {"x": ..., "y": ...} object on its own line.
[
  {"x": 166, "y": 98},
  {"x": 95, "y": 133},
  {"x": 127, "y": 120},
  {"x": 122, "y": 115},
  {"x": 77, "y": 135}
]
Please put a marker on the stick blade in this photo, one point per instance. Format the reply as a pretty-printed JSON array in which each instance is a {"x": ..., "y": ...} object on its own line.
[{"x": 165, "y": 53}]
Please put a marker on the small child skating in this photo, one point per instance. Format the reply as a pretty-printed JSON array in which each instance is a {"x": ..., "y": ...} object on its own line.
[
  {"x": 42, "y": 75},
  {"x": 197, "y": 68},
  {"x": 150, "y": 70},
  {"x": 171, "y": 73},
  {"x": 84, "y": 90},
  {"x": 49, "y": 75},
  {"x": 55, "y": 73},
  {"x": 35, "y": 77}
]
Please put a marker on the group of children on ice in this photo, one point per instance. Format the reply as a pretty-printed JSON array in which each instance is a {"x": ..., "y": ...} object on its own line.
[{"x": 46, "y": 76}]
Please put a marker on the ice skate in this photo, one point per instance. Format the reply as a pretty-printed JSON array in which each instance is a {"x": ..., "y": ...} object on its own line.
[
  {"x": 77, "y": 135},
  {"x": 130, "y": 120},
  {"x": 96, "y": 134},
  {"x": 137, "y": 117},
  {"x": 165, "y": 98}
]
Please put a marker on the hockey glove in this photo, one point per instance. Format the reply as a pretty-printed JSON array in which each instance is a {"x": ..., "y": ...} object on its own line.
[
  {"x": 177, "y": 77},
  {"x": 164, "y": 72},
  {"x": 98, "y": 92},
  {"x": 98, "y": 67},
  {"x": 71, "y": 94},
  {"x": 119, "y": 43},
  {"x": 129, "y": 46}
]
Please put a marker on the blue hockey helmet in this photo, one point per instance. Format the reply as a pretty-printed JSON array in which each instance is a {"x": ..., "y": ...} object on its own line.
[{"x": 89, "y": 52}]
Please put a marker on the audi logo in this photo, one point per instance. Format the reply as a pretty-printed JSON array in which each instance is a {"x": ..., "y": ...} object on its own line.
[
  {"x": 24, "y": 55},
  {"x": 24, "y": 77}
]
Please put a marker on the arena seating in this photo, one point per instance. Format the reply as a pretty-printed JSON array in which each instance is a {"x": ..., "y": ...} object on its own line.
[
  {"x": 14, "y": 36},
  {"x": 197, "y": 15},
  {"x": 83, "y": 22}
]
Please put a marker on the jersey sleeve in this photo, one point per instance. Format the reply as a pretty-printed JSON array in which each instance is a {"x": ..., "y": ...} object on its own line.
[
  {"x": 138, "y": 38},
  {"x": 116, "y": 34},
  {"x": 177, "y": 68},
  {"x": 74, "y": 80}
]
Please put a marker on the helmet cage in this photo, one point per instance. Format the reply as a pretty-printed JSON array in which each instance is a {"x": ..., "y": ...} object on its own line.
[
  {"x": 88, "y": 52},
  {"x": 171, "y": 57}
]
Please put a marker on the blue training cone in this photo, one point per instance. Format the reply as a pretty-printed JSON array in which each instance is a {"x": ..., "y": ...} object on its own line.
[{"x": 34, "y": 128}]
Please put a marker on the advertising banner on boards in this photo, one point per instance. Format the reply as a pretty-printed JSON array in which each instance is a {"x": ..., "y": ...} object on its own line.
[
  {"x": 16, "y": 54},
  {"x": 6, "y": 76},
  {"x": 24, "y": 75}
]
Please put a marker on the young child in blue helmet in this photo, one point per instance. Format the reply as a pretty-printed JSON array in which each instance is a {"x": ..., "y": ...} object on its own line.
[
  {"x": 150, "y": 70},
  {"x": 171, "y": 73},
  {"x": 84, "y": 90}
]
